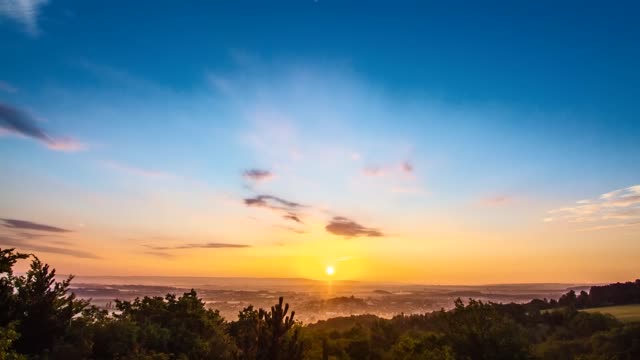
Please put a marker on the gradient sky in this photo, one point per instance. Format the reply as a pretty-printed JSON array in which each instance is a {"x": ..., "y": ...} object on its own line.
[{"x": 396, "y": 141}]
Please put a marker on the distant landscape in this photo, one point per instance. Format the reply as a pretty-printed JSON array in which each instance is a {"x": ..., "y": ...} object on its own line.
[
  {"x": 314, "y": 300},
  {"x": 47, "y": 318}
]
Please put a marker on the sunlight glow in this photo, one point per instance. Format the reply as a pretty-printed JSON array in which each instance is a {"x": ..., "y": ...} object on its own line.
[{"x": 330, "y": 270}]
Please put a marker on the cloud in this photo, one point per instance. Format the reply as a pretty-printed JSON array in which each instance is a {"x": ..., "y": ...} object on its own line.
[
  {"x": 618, "y": 206},
  {"x": 135, "y": 170},
  {"x": 30, "y": 246},
  {"x": 160, "y": 254},
  {"x": 404, "y": 168},
  {"x": 28, "y": 225},
  {"x": 293, "y": 230},
  {"x": 257, "y": 175},
  {"x": 496, "y": 201},
  {"x": 210, "y": 245},
  {"x": 27, "y": 235},
  {"x": 18, "y": 122},
  {"x": 345, "y": 227},
  {"x": 220, "y": 83},
  {"x": 270, "y": 201},
  {"x": 23, "y": 11},
  {"x": 66, "y": 145},
  {"x": 292, "y": 217},
  {"x": 6, "y": 87},
  {"x": 612, "y": 226},
  {"x": 288, "y": 209}
]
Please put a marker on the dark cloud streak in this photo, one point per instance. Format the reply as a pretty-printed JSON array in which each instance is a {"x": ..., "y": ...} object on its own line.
[
  {"x": 288, "y": 209},
  {"x": 345, "y": 227},
  {"x": 257, "y": 174},
  {"x": 211, "y": 245},
  {"x": 292, "y": 217},
  {"x": 159, "y": 254},
  {"x": 272, "y": 202},
  {"x": 29, "y": 246},
  {"x": 21, "y": 123},
  {"x": 28, "y": 225}
]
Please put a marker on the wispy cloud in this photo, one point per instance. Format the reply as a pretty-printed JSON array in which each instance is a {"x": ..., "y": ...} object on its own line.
[
  {"x": 135, "y": 170},
  {"x": 406, "y": 167},
  {"x": 6, "y": 87},
  {"x": 25, "y": 12},
  {"x": 160, "y": 254},
  {"x": 292, "y": 217},
  {"x": 28, "y": 225},
  {"x": 271, "y": 201},
  {"x": 210, "y": 245},
  {"x": 618, "y": 206},
  {"x": 293, "y": 229},
  {"x": 345, "y": 227},
  {"x": 289, "y": 210},
  {"x": 403, "y": 168},
  {"x": 27, "y": 235},
  {"x": 220, "y": 83},
  {"x": 26, "y": 245},
  {"x": 612, "y": 226},
  {"x": 66, "y": 145},
  {"x": 17, "y": 122},
  {"x": 496, "y": 201},
  {"x": 257, "y": 175}
]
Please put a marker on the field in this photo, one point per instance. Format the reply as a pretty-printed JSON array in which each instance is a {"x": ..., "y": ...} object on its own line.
[{"x": 625, "y": 313}]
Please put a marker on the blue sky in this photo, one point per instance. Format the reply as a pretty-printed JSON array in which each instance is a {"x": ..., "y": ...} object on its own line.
[{"x": 470, "y": 117}]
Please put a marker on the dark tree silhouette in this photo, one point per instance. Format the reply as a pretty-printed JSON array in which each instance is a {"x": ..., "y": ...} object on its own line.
[
  {"x": 268, "y": 335},
  {"x": 39, "y": 307}
]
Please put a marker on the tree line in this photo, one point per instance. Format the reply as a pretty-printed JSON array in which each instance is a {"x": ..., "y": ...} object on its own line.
[{"x": 40, "y": 318}]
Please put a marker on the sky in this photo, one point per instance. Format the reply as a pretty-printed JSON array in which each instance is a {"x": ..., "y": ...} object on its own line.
[{"x": 404, "y": 141}]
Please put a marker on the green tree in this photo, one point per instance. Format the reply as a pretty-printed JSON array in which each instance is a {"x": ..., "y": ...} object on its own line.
[
  {"x": 182, "y": 327},
  {"x": 478, "y": 332},
  {"x": 422, "y": 347},
  {"x": 8, "y": 335}
]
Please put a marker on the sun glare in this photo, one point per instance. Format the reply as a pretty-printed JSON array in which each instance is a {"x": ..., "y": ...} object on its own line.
[{"x": 330, "y": 270}]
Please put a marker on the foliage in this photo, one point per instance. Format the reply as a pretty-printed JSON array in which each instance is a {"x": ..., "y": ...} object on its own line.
[
  {"x": 8, "y": 336},
  {"x": 267, "y": 335},
  {"x": 605, "y": 295},
  {"x": 39, "y": 307},
  {"x": 41, "y": 319}
]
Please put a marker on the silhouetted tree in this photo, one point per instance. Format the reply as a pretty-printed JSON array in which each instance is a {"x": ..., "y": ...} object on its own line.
[
  {"x": 39, "y": 307},
  {"x": 568, "y": 299},
  {"x": 615, "y": 294},
  {"x": 8, "y": 301},
  {"x": 582, "y": 301},
  {"x": 267, "y": 335}
]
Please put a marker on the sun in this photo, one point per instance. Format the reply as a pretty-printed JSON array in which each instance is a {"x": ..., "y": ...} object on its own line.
[{"x": 330, "y": 270}]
